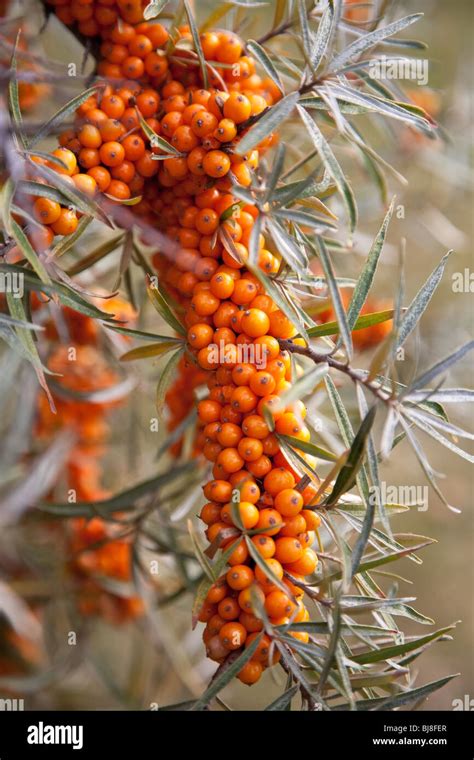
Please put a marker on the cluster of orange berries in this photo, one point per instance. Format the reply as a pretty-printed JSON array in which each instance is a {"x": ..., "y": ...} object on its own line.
[
  {"x": 93, "y": 18},
  {"x": 95, "y": 549}
]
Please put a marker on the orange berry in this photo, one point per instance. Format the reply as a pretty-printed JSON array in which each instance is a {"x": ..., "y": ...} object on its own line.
[
  {"x": 265, "y": 545},
  {"x": 279, "y": 479},
  {"x": 254, "y": 426},
  {"x": 216, "y": 163},
  {"x": 306, "y": 564},
  {"x": 251, "y": 672},
  {"x": 278, "y": 604},
  {"x": 270, "y": 521},
  {"x": 311, "y": 518},
  {"x": 233, "y": 635},
  {"x": 209, "y": 411},
  {"x": 112, "y": 153},
  {"x": 250, "y": 449},
  {"x": 200, "y": 335},
  {"x": 237, "y": 108},
  {"x": 239, "y": 577},
  {"x": 288, "y": 502},
  {"x": 67, "y": 158},
  {"x": 264, "y": 579},
  {"x": 288, "y": 550},
  {"x": 66, "y": 223},
  {"x": 85, "y": 184},
  {"x": 228, "y": 609},
  {"x": 46, "y": 210},
  {"x": 243, "y": 399}
]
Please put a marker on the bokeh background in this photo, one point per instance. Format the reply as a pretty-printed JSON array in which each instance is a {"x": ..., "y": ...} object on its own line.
[{"x": 161, "y": 661}]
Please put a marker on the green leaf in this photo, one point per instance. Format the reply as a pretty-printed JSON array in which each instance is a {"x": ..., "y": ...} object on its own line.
[
  {"x": 66, "y": 110},
  {"x": 385, "y": 107},
  {"x": 258, "y": 52},
  {"x": 197, "y": 43},
  {"x": 401, "y": 699},
  {"x": 159, "y": 302},
  {"x": 199, "y": 554},
  {"x": 68, "y": 241},
  {"x": 141, "y": 335},
  {"x": 96, "y": 255},
  {"x": 154, "y": 9},
  {"x": 147, "y": 352},
  {"x": 6, "y": 197},
  {"x": 347, "y": 476},
  {"x": 16, "y": 309},
  {"x": 336, "y": 299},
  {"x": 293, "y": 254},
  {"x": 283, "y": 701},
  {"x": 331, "y": 164},
  {"x": 270, "y": 120},
  {"x": 226, "y": 675},
  {"x": 14, "y": 98},
  {"x": 420, "y": 302},
  {"x": 323, "y": 36},
  {"x": 364, "y": 321},
  {"x": 156, "y": 141},
  {"x": 440, "y": 367},
  {"x": 29, "y": 252},
  {"x": 121, "y": 502},
  {"x": 367, "y": 41},
  {"x": 310, "y": 448},
  {"x": 63, "y": 113},
  {"x": 388, "y": 653},
  {"x": 364, "y": 283},
  {"x": 66, "y": 295},
  {"x": 165, "y": 379}
]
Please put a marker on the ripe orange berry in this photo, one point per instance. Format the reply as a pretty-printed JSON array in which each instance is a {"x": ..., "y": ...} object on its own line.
[
  {"x": 85, "y": 184},
  {"x": 112, "y": 153},
  {"x": 200, "y": 335},
  {"x": 66, "y": 223},
  {"x": 251, "y": 672},
  {"x": 265, "y": 545},
  {"x": 294, "y": 525},
  {"x": 217, "y": 592},
  {"x": 228, "y": 608},
  {"x": 205, "y": 303},
  {"x": 288, "y": 550},
  {"x": 230, "y": 460},
  {"x": 280, "y": 325},
  {"x": 248, "y": 619},
  {"x": 278, "y": 480},
  {"x": 46, "y": 210},
  {"x": 225, "y": 130},
  {"x": 89, "y": 136},
  {"x": 250, "y": 449},
  {"x": 209, "y": 411},
  {"x": 311, "y": 518},
  {"x": 255, "y": 323},
  {"x": 262, "y": 383},
  {"x": 306, "y": 564},
  {"x": 237, "y": 108},
  {"x": 278, "y": 605},
  {"x": 239, "y": 577},
  {"x": 288, "y": 502},
  {"x": 210, "y": 513},
  {"x": 67, "y": 158},
  {"x": 233, "y": 635},
  {"x": 243, "y": 399},
  {"x": 216, "y": 163},
  {"x": 248, "y": 514},
  {"x": 101, "y": 176},
  {"x": 265, "y": 580},
  {"x": 119, "y": 190}
]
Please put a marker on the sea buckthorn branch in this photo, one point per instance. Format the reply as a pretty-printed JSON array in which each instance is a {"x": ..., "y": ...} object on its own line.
[
  {"x": 325, "y": 358},
  {"x": 158, "y": 138}
]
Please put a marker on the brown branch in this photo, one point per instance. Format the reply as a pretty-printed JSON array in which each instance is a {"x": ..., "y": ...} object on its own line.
[{"x": 344, "y": 368}]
